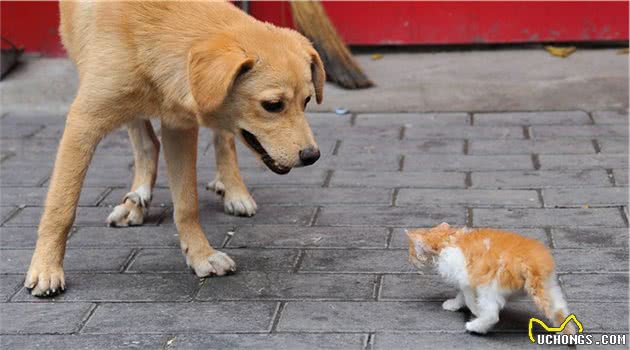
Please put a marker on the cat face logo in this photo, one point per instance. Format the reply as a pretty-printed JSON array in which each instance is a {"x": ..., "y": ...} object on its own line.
[{"x": 569, "y": 318}]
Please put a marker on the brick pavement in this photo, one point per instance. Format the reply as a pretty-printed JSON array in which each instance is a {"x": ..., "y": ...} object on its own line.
[{"x": 323, "y": 263}]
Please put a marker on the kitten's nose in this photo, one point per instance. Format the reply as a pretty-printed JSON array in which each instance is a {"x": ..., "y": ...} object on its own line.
[{"x": 309, "y": 155}]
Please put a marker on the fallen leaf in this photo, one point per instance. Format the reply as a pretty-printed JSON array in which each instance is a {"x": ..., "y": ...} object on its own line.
[
  {"x": 560, "y": 51},
  {"x": 376, "y": 56},
  {"x": 623, "y": 51},
  {"x": 586, "y": 206}
]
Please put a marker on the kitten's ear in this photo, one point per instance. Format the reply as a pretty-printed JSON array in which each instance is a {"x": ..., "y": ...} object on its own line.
[{"x": 443, "y": 225}]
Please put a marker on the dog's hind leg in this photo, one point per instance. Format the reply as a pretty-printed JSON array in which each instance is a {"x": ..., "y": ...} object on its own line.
[
  {"x": 146, "y": 151},
  {"x": 81, "y": 135},
  {"x": 228, "y": 182}
]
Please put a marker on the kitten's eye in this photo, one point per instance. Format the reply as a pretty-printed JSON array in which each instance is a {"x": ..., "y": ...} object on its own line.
[
  {"x": 273, "y": 106},
  {"x": 308, "y": 99}
]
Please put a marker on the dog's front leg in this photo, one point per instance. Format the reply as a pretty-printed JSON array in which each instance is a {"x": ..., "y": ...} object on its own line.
[
  {"x": 180, "y": 151},
  {"x": 80, "y": 137},
  {"x": 228, "y": 182}
]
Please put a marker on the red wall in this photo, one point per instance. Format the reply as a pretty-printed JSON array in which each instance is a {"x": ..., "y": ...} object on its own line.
[{"x": 33, "y": 25}]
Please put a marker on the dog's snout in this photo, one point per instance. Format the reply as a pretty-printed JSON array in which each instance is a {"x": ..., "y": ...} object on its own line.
[{"x": 309, "y": 155}]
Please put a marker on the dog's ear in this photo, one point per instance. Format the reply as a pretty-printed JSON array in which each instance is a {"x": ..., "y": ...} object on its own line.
[
  {"x": 318, "y": 74},
  {"x": 213, "y": 66}
]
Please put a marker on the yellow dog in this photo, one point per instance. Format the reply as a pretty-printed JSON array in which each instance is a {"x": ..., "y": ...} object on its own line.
[{"x": 190, "y": 64}]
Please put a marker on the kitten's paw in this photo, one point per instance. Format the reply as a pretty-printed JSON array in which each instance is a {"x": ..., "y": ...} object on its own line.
[
  {"x": 478, "y": 326},
  {"x": 452, "y": 305}
]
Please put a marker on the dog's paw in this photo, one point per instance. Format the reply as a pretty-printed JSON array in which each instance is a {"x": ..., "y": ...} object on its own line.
[
  {"x": 235, "y": 202},
  {"x": 217, "y": 264},
  {"x": 239, "y": 204},
  {"x": 130, "y": 212},
  {"x": 452, "y": 305},
  {"x": 45, "y": 281}
]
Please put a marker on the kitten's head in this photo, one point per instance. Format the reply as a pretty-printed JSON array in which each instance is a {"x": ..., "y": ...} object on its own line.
[{"x": 426, "y": 243}]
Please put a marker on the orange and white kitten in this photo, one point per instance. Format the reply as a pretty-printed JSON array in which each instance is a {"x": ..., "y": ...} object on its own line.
[{"x": 487, "y": 265}]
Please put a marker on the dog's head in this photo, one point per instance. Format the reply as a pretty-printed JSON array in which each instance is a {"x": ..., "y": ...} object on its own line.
[{"x": 257, "y": 85}]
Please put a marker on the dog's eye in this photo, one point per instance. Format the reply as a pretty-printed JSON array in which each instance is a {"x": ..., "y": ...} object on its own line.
[
  {"x": 308, "y": 99},
  {"x": 273, "y": 107}
]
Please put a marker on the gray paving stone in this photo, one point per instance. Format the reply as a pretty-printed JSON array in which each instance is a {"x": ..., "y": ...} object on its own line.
[
  {"x": 532, "y": 118},
  {"x": 412, "y": 119},
  {"x": 12, "y": 130},
  {"x": 610, "y": 117},
  {"x": 138, "y": 236},
  {"x": 123, "y": 288},
  {"x": 350, "y": 147},
  {"x": 621, "y": 176},
  {"x": 119, "y": 176},
  {"x": 415, "y": 288},
  {"x": 35, "y": 318},
  {"x": 82, "y": 342},
  {"x": 212, "y": 214},
  {"x": 540, "y": 179},
  {"x": 181, "y": 317},
  {"x": 591, "y": 260},
  {"x": 18, "y": 260},
  {"x": 6, "y": 213},
  {"x": 357, "y": 261},
  {"x": 347, "y": 178},
  {"x": 86, "y": 216},
  {"x": 382, "y": 132},
  {"x": 172, "y": 260},
  {"x": 22, "y": 147},
  {"x": 9, "y": 284},
  {"x": 419, "y": 162},
  {"x": 591, "y": 196},
  {"x": 367, "y": 316},
  {"x": 18, "y": 237},
  {"x": 362, "y": 161},
  {"x": 595, "y": 317},
  {"x": 552, "y": 146},
  {"x": 592, "y": 131},
  {"x": 316, "y": 120},
  {"x": 400, "y": 240},
  {"x": 286, "y": 341},
  {"x": 590, "y": 238},
  {"x": 587, "y": 287},
  {"x": 606, "y": 217},
  {"x": 388, "y": 216},
  {"x": 464, "y": 132},
  {"x": 322, "y": 196},
  {"x": 602, "y": 316},
  {"x": 438, "y": 340},
  {"x": 613, "y": 145},
  {"x": 276, "y": 236},
  {"x": 288, "y": 286},
  {"x": 265, "y": 177},
  {"x": 35, "y": 196},
  {"x": 23, "y": 174},
  {"x": 468, "y": 198}
]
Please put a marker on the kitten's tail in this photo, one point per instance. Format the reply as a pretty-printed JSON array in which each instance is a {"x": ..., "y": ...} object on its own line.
[{"x": 547, "y": 295}]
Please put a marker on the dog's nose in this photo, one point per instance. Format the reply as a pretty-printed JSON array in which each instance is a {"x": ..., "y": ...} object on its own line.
[{"x": 309, "y": 155}]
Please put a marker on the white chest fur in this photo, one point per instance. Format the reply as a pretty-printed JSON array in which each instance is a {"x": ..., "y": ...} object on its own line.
[{"x": 451, "y": 265}]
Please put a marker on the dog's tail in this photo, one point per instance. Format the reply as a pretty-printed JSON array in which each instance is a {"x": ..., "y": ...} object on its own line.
[{"x": 548, "y": 297}]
